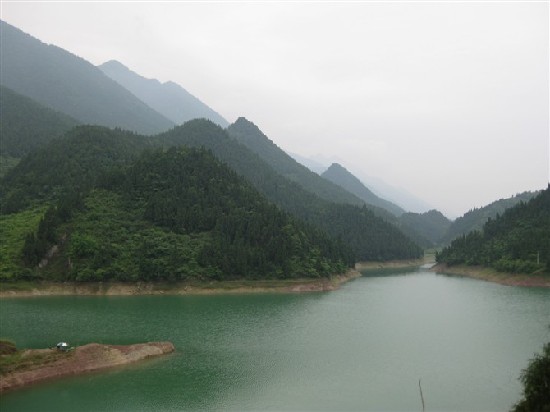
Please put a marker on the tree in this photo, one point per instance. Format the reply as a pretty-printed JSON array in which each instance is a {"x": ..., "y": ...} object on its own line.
[{"x": 536, "y": 384}]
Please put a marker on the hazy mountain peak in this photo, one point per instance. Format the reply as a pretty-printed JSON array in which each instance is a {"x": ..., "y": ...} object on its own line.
[
  {"x": 243, "y": 122},
  {"x": 59, "y": 79},
  {"x": 336, "y": 167},
  {"x": 339, "y": 175},
  {"x": 169, "y": 98}
]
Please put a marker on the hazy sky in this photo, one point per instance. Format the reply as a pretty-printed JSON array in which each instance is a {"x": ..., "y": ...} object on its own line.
[{"x": 449, "y": 100}]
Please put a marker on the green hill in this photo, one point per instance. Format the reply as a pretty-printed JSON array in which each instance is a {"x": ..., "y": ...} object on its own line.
[
  {"x": 476, "y": 218},
  {"x": 116, "y": 214},
  {"x": 339, "y": 175},
  {"x": 430, "y": 225},
  {"x": 169, "y": 99},
  {"x": 64, "y": 82},
  {"x": 74, "y": 161},
  {"x": 516, "y": 241}
]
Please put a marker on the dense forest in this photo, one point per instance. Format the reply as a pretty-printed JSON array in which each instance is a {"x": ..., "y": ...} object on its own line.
[
  {"x": 476, "y": 218},
  {"x": 27, "y": 125},
  {"x": 109, "y": 213},
  {"x": 250, "y": 136},
  {"x": 431, "y": 225},
  {"x": 358, "y": 226},
  {"x": 50, "y": 186},
  {"x": 516, "y": 241}
]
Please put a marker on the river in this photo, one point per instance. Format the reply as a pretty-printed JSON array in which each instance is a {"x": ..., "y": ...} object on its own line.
[{"x": 362, "y": 347}]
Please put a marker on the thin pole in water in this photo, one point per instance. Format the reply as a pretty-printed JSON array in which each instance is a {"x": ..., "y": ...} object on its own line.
[{"x": 421, "y": 396}]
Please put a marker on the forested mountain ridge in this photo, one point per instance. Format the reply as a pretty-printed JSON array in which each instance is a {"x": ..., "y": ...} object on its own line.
[
  {"x": 339, "y": 175},
  {"x": 169, "y": 99},
  {"x": 58, "y": 79},
  {"x": 72, "y": 162},
  {"x": 516, "y": 241},
  {"x": 88, "y": 181},
  {"x": 248, "y": 134},
  {"x": 364, "y": 232},
  {"x": 431, "y": 225},
  {"x": 26, "y": 124},
  {"x": 170, "y": 215},
  {"x": 476, "y": 218},
  {"x": 414, "y": 228}
]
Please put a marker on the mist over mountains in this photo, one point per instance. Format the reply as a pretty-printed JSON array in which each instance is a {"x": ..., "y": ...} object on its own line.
[
  {"x": 49, "y": 159},
  {"x": 67, "y": 83},
  {"x": 169, "y": 99}
]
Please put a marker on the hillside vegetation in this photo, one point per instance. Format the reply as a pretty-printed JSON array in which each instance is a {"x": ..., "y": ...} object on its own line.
[
  {"x": 158, "y": 215},
  {"x": 26, "y": 124},
  {"x": 516, "y": 241},
  {"x": 431, "y": 225},
  {"x": 476, "y": 218},
  {"x": 368, "y": 236},
  {"x": 250, "y": 136}
]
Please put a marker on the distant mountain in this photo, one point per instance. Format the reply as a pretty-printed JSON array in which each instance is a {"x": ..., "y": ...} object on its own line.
[
  {"x": 476, "y": 218},
  {"x": 311, "y": 164},
  {"x": 248, "y": 134},
  {"x": 397, "y": 195},
  {"x": 26, "y": 124},
  {"x": 431, "y": 225},
  {"x": 337, "y": 174},
  {"x": 69, "y": 84},
  {"x": 169, "y": 99}
]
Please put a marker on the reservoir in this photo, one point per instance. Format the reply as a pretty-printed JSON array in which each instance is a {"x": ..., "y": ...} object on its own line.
[{"x": 363, "y": 347}]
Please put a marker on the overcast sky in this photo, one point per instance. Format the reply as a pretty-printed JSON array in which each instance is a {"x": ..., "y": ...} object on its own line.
[{"x": 448, "y": 100}]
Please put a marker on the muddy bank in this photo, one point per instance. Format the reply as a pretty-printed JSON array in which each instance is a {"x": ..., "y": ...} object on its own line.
[
  {"x": 36, "y": 365},
  {"x": 491, "y": 275},
  {"x": 392, "y": 264},
  {"x": 175, "y": 288}
]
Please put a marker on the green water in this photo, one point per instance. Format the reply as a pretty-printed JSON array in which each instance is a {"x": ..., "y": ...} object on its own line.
[{"x": 363, "y": 347}]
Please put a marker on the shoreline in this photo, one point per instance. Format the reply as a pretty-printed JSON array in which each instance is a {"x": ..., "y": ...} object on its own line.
[
  {"x": 491, "y": 275},
  {"x": 33, "y": 366},
  {"x": 391, "y": 264},
  {"x": 30, "y": 289}
]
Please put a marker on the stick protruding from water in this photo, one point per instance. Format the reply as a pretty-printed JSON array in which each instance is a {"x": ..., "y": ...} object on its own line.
[{"x": 421, "y": 396}]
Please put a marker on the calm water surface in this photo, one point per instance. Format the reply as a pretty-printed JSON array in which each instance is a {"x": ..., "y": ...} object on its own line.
[{"x": 363, "y": 347}]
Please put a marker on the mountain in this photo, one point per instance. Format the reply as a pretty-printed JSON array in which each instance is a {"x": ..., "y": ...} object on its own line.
[
  {"x": 248, "y": 134},
  {"x": 311, "y": 164},
  {"x": 26, "y": 124},
  {"x": 516, "y": 241},
  {"x": 343, "y": 178},
  {"x": 75, "y": 161},
  {"x": 161, "y": 215},
  {"x": 476, "y": 218},
  {"x": 398, "y": 196},
  {"x": 431, "y": 225},
  {"x": 367, "y": 235},
  {"x": 86, "y": 158},
  {"x": 169, "y": 99},
  {"x": 64, "y": 82}
]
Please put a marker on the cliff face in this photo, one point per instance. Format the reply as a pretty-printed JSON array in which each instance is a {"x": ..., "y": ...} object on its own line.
[{"x": 48, "y": 364}]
